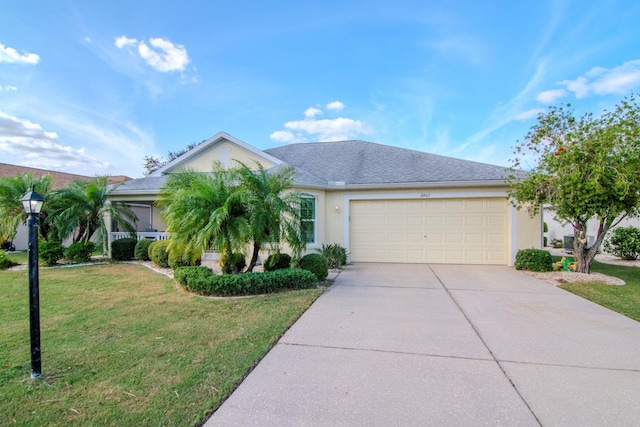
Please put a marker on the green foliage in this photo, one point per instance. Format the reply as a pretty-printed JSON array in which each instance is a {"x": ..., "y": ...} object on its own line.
[
  {"x": 315, "y": 263},
  {"x": 180, "y": 259},
  {"x": 335, "y": 254},
  {"x": 5, "y": 262},
  {"x": 187, "y": 274},
  {"x": 277, "y": 261},
  {"x": 624, "y": 243},
  {"x": 141, "y": 251},
  {"x": 205, "y": 211},
  {"x": 79, "y": 251},
  {"x": 159, "y": 253},
  {"x": 545, "y": 227},
  {"x": 545, "y": 241},
  {"x": 234, "y": 263},
  {"x": 586, "y": 169},
  {"x": 79, "y": 211},
  {"x": 556, "y": 243},
  {"x": 50, "y": 252},
  {"x": 248, "y": 283},
  {"x": 12, "y": 189},
  {"x": 273, "y": 210},
  {"x": 123, "y": 249},
  {"x": 534, "y": 260}
]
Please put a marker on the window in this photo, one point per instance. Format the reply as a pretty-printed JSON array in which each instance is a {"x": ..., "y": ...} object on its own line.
[{"x": 308, "y": 218}]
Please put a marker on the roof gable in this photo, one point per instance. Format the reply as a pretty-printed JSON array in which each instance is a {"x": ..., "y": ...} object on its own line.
[{"x": 221, "y": 147}]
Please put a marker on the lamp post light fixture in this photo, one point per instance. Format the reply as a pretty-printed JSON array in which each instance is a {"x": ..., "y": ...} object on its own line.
[{"x": 32, "y": 203}]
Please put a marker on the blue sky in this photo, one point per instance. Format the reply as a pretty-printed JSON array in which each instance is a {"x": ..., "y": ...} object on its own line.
[{"x": 91, "y": 87}]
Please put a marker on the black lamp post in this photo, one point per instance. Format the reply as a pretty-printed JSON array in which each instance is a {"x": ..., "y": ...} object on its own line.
[{"x": 32, "y": 203}]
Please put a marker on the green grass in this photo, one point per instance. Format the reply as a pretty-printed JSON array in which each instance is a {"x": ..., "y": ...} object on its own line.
[
  {"x": 19, "y": 257},
  {"x": 121, "y": 345},
  {"x": 623, "y": 299}
]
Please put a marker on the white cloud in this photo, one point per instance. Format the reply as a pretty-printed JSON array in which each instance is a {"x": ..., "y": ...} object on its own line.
[
  {"x": 123, "y": 41},
  {"x": 8, "y": 54},
  {"x": 284, "y": 136},
  {"x": 8, "y": 88},
  {"x": 550, "y": 96},
  {"x": 161, "y": 54},
  {"x": 335, "y": 105},
  {"x": 603, "y": 81},
  {"x": 38, "y": 148},
  {"x": 529, "y": 114},
  {"x": 312, "y": 112}
]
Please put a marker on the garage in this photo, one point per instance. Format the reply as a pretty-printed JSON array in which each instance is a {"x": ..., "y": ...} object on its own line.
[{"x": 453, "y": 231}]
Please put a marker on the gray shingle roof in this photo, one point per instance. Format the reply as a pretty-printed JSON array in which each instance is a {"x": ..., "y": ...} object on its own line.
[
  {"x": 149, "y": 184},
  {"x": 361, "y": 162}
]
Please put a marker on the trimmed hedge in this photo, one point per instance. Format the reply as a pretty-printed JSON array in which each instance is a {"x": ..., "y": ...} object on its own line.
[
  {"x": 277, "y": 261},
  {"x": 79, "y": 251},
  {"x": 203, "y": 283},
  {"x": 534, "y": 260},
  {"x": 181, "y": 259},
  {"x": 50, "y": 252},
  {"x": 123, "y": 249},
  {"x": 188, "y": 274},
  {"x": 159, "y": 253},
  {"x": 315, "y": 263},
  {"x": 141, "y": 251}
]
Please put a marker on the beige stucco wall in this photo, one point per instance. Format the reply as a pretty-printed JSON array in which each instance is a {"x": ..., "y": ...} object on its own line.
[
  {"x": 203, "y": 162},
  {"x": 528, "y": 230}
]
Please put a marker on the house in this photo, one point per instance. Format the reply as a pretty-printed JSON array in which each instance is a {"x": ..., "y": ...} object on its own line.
[
  {"x": 383, "y": 203},
  {"x": 58, "y": 180}
]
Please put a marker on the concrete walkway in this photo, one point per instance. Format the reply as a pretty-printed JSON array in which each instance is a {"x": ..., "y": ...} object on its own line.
[{"x": 409, "y": 345}]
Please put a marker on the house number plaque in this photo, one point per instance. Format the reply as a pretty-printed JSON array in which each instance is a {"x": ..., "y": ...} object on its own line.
[{"x": 425, "y": 195}]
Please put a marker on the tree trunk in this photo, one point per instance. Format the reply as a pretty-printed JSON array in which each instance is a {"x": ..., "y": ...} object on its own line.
[
  {"x": 254, "y": 256},
  {"x": 585, "y": 257}
]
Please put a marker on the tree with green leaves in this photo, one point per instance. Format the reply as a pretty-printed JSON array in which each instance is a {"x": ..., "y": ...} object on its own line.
[
  {"x": 273, "y": 209},
  {"x": 12, "y": 189},
  {"x": 588, "y": 169},
  {"x": 80, "y": 209},
  {"x": 204, "y": 211}
]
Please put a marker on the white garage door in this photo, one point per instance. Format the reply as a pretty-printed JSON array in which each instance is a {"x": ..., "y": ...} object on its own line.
[{"x": 457, "y": 231}]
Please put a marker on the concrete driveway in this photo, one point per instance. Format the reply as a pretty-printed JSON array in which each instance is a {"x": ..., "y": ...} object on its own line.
[{"x": 400, "y": 345}]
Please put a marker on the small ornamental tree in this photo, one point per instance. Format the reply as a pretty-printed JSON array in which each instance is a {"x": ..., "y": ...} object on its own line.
[{"x": 587, "y": 170}]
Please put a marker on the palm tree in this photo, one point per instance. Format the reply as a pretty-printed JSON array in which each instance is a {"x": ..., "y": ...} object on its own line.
[
  {"x": 274, "y": 212},
  {"x": 12, "y": 189},
  {"x": 204, "y": 212},
  {"x": 80, "y": 210}
]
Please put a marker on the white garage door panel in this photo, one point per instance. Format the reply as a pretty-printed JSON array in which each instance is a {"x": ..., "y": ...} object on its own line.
[{"x": 464, "y": 231}]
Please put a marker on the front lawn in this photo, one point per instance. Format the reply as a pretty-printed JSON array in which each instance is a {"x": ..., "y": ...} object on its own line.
[
  {"x": 121, "y": 345},
  {"x": 623, "y": 299}
]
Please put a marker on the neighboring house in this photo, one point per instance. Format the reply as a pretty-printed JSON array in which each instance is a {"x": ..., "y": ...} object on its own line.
[
  {"x": 557, "y": 230},
  {"x": 58, "y": 180},
  {"x": 383, "y": 203}
]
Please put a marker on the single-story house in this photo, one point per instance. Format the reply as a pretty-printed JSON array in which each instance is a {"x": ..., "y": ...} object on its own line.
[{"x": 383, "y": 203}]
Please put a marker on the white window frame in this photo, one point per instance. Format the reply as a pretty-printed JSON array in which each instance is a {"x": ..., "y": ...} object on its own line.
[{"x": 315, "y": 218}]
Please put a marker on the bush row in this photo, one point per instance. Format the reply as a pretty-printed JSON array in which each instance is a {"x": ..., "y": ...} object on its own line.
[
  {"x": 203, "y": 281},
  {"x": 5, "y": 262},
  {"x": 50, "y": 252}
]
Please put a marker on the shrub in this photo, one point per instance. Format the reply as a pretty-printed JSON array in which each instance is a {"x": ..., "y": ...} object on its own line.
[
  {"x": 185, "y": 275},
  {"x": 50, "y": 252},
  {"x": 123, "y": 249},
  {"x": 335, "y": 254},
  {"x": 5, "y": 262},
  {"x": 181, "y": 259},
  {"x": 79, "y": 251},
  {"x": 141, "y": 252},
  {"x": 545, "y": 241},
  {"x": 624, "y": 243},
  {"x": 556, "y": 243},
  {"x": 277, "y": 261},
  {"x": 534, "y": 260},
  {"x": 159, "y": 253},
  {"x": 204, "y": 283},
  {"x": 236, "y": 260},
  {"x": 315, "y": 263}
]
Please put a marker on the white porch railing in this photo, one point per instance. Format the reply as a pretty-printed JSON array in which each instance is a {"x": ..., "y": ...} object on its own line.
[{"x": 140, "y": 235}]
